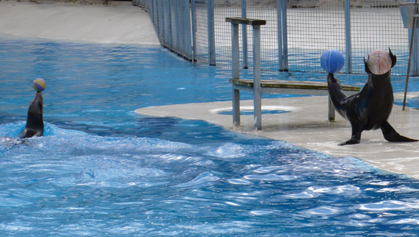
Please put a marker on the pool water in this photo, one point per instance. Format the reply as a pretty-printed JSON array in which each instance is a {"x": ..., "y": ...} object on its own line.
[{"x": 102, "y": 170}]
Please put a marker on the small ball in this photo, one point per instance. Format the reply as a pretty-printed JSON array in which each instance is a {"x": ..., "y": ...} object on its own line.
[
  {"x": 379, "y": 62},
  {"x": 332, "y": 61},
  {"x": 39, "y": 84}
]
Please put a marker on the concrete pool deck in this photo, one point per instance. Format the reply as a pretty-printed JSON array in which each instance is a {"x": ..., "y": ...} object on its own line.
[
  {"x": 307, "y": 126},
  {"x": 119, "y": 23}
]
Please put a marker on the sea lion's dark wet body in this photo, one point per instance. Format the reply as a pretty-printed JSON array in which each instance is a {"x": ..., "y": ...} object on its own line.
[
  {"x": 34, "y": 122},
  {"x": 370, "y": 108}
]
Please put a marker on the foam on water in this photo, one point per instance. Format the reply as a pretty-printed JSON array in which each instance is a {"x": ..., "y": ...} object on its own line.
[{"x": 71, "y": 182}]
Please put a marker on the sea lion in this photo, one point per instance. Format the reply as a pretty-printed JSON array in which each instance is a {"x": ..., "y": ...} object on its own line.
[
  {"x": 371, "y": 107},
  {"x": 34, "y": 122}
]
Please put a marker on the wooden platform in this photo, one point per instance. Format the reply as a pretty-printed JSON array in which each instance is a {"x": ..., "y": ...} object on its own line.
[
  {"x": 290, "y": 85},
  {"x": 285, "y": 87},
  {"x": 258, "y": 86}
]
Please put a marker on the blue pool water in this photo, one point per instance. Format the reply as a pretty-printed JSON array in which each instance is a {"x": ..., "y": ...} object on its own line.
[{"x": 102, "y": 170}]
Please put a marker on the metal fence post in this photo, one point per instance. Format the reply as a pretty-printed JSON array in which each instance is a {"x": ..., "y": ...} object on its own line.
[
  {"x": 414, "y": 70},
  {"x": 279, "y": 33},
  {"x": 187, "y": 26},
  {"x": 235, "y": 55},
  {"x": 235, "y": 50},
  {"x": 244, "y": 37},
  {"x": 284, "y": 67},
  {"x": 161, "y": 21},
  {"x": 348, "y": 36},
  {"x": 415, "y": 53},
  {"x": 166, "y": 25},
  {"x": 257, "y": 90},
  {"x": 193, "y": 15},
  {"x": 211, "y": 32},
  {"x": 155, "y": 12}
]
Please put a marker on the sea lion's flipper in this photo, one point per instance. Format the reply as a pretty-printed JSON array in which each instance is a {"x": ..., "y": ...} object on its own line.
[
  {"x": 356, "y": 136},
  {"x": 335, "y": 89},
  {"x": 392, "y": 136},
  {"x": 336, "y": 94}
]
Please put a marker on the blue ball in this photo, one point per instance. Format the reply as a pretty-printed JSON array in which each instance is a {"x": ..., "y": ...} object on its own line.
[{"x": 332, "y": 61}]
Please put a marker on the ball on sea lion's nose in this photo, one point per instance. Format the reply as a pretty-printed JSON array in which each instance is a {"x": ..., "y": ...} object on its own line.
[
  {"x": 379, "y": 62},
  {"x": 39, "y": 84}
]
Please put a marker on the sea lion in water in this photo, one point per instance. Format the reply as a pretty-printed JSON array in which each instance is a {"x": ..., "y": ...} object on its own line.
[
  {"x": 371, "y": 107},
  {"x": 34, "y": 122}
]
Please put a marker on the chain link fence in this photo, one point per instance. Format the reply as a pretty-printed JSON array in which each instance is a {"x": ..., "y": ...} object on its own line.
[{"x": 296, "y": 34}]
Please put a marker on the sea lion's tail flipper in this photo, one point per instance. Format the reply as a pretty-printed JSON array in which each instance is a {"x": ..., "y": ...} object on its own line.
[{"x": 392, "y": 136}]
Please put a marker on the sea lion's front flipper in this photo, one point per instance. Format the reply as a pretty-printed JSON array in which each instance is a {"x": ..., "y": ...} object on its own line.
[
  {"x": 336, "y": 94},
  {"x": 356, "y": 136},
  {"x": 392, "y": 136},
  {"x": 335, "y": 90}
]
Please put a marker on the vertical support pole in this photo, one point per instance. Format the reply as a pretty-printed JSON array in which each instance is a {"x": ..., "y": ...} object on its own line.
[
  {"x": 236, "y": 107},
  {"x": 160, "y": 21},
  {"x": 331, "y": 108},
  {"x": 244, "y": 37},
  {"x": 235, "y": 71},
  {"x": 257, "y": 90},
  {"x": 279, "y": 32},
  {"x": 155, "y": 18},
  {"x": 415, "y": 53},
  {"x": 187, "y": 29},
  {"x": 284, "y": 36},
  {"x": 235, "y": 50},
  {"x": 175, "y": 6},
  {"x": 348, "y": 60},
  {"x": 168, "y": 24},
  {"x": 211, "y": 32},
  {"x": 181, "y": 27},
  {"x": 194, "y": 28}
]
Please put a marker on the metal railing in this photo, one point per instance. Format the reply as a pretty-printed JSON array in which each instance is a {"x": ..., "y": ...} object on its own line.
[{"x": 296, "y": 34}]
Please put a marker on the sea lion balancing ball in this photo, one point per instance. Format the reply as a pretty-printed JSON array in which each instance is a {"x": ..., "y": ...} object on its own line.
[{"x": 39, "y": 84}]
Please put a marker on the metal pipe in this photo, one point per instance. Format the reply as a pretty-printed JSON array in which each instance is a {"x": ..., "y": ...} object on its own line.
[
  {"x": 348, "y": 36},
  {"x": 211, "y": 32},
  {"x": 284, "y": 35},
  {"x": 410, "y": 55},
  {"x": 279, "y": 31},
  {"x": 244, "y": 37}
]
